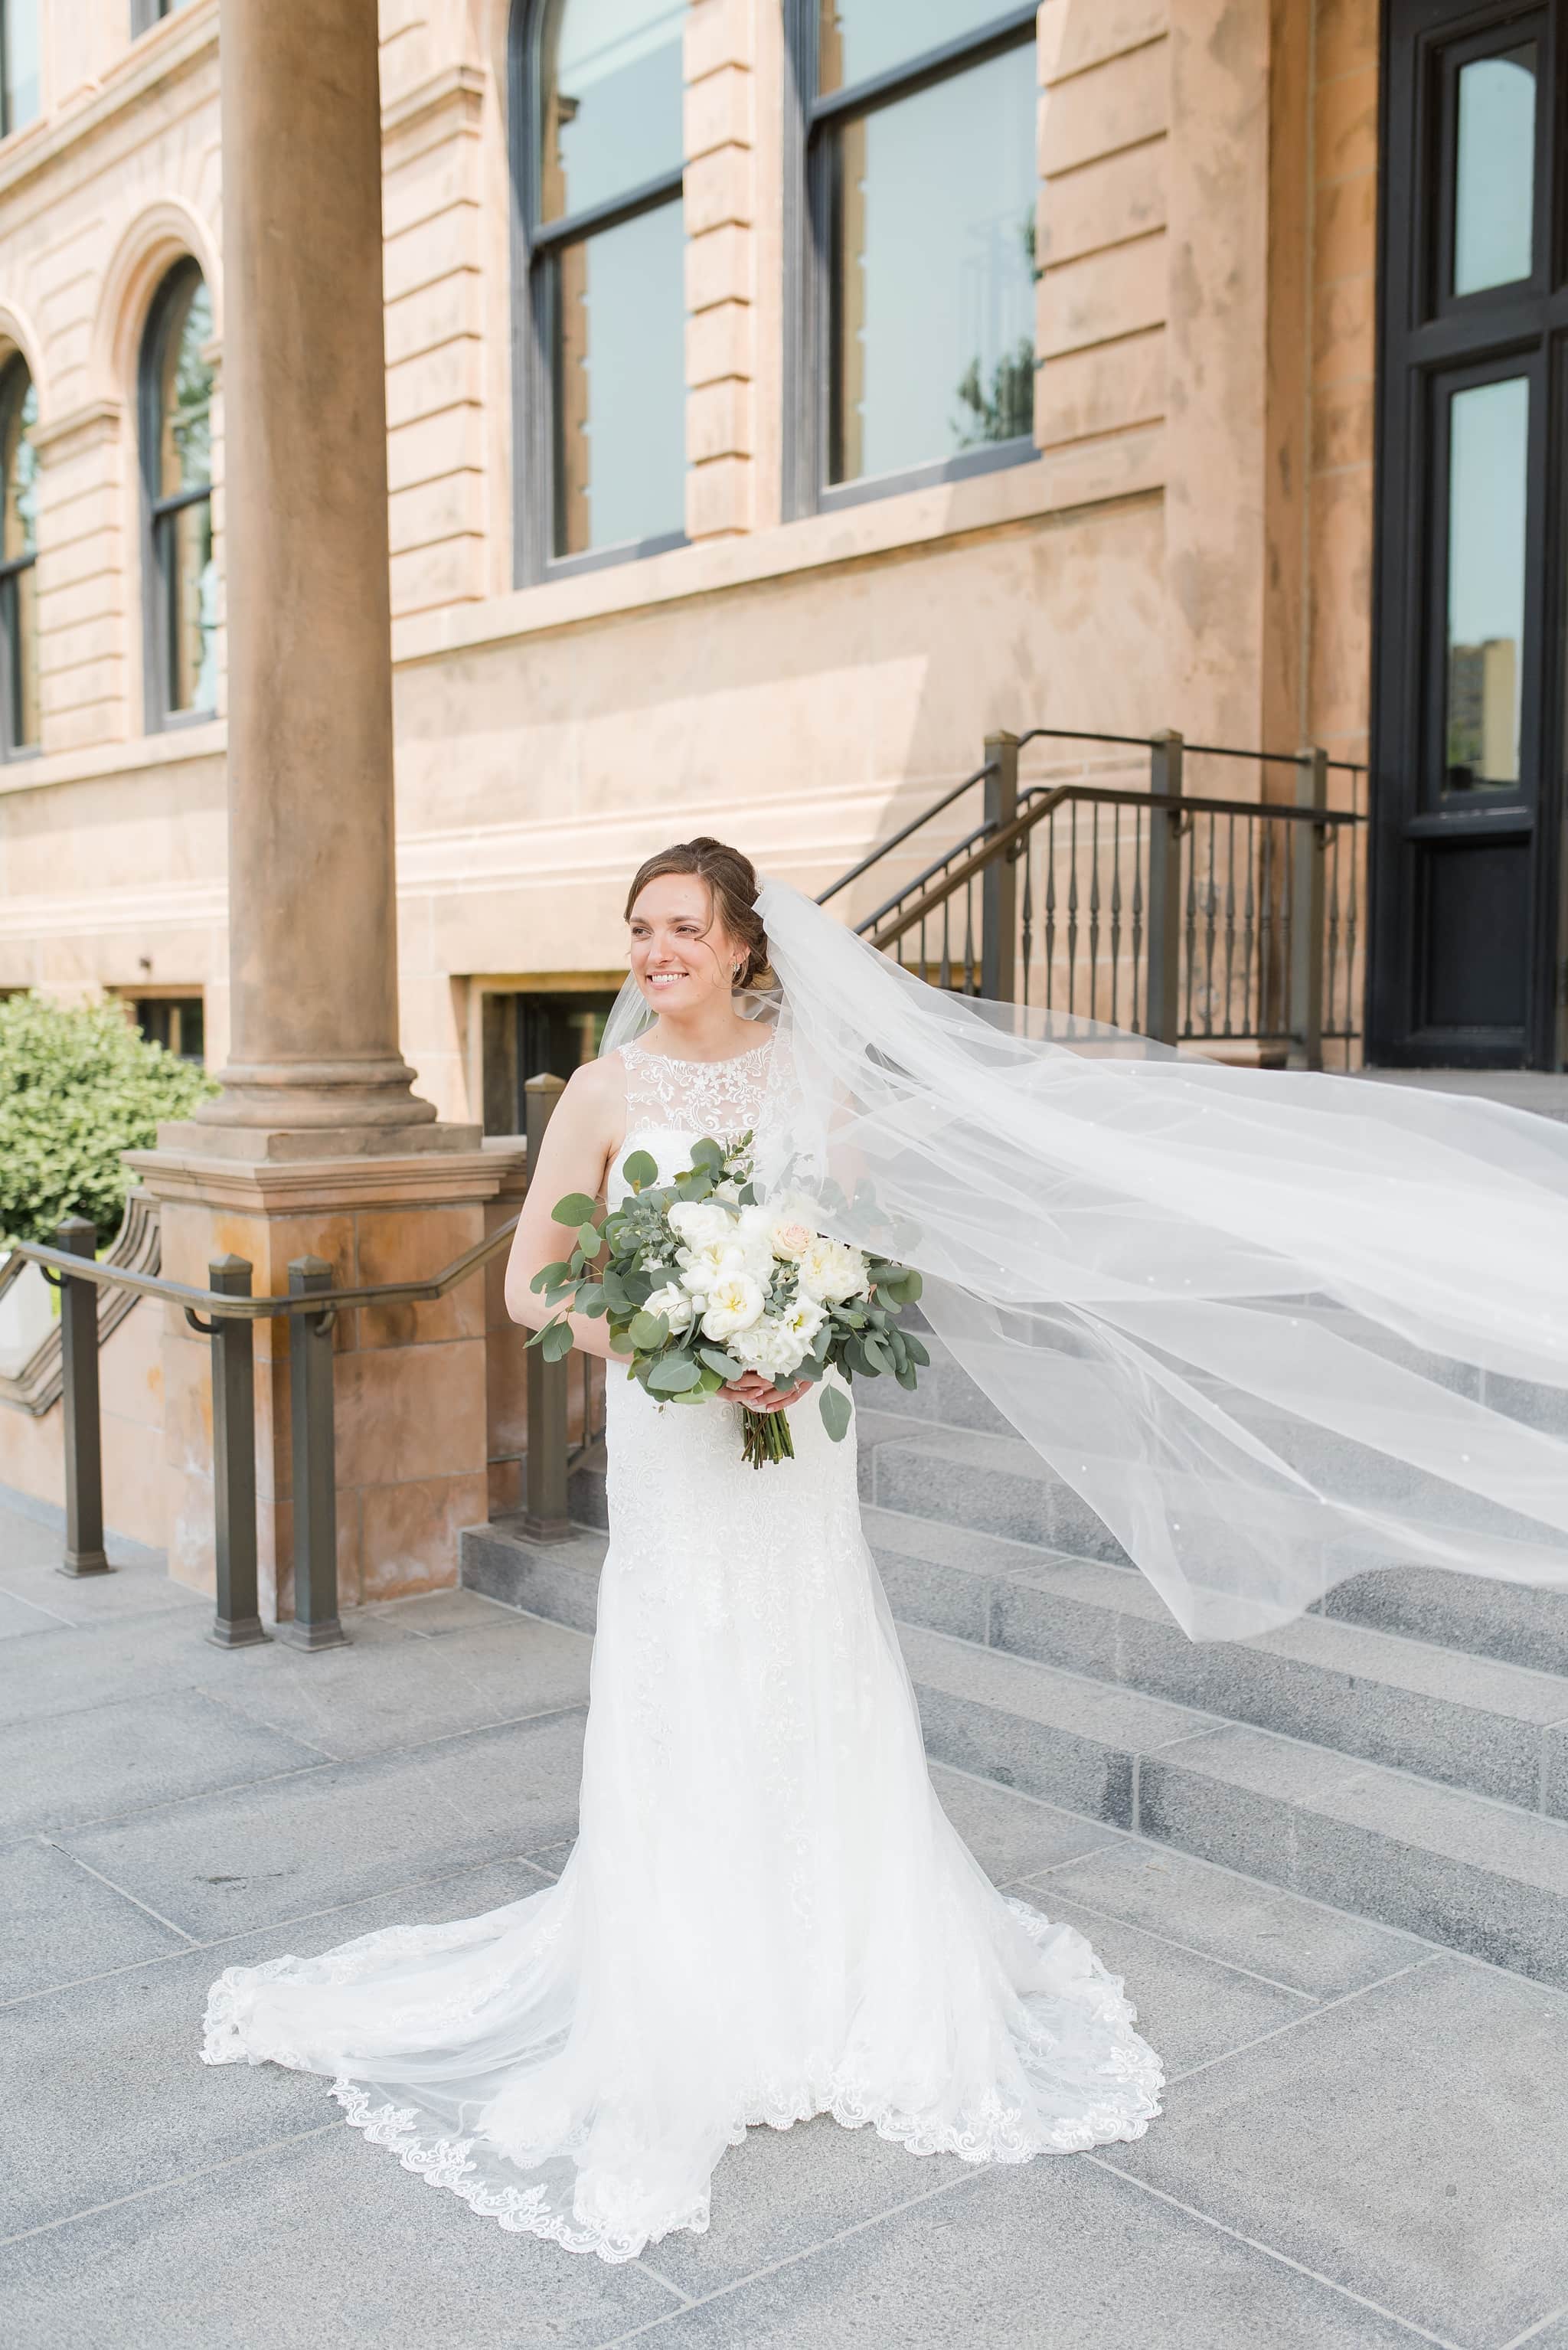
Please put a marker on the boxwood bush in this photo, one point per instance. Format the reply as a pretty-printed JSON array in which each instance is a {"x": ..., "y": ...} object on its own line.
[{"x": 79, "y": 1085}]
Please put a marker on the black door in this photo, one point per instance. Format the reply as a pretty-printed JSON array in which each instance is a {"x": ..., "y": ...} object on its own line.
[{"x": 1468, "y": 873}]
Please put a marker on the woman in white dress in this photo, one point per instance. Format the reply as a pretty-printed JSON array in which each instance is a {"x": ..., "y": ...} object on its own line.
[
  {"x": 1247, "y": 1317},
  {"x": 767, "y": 1914}
]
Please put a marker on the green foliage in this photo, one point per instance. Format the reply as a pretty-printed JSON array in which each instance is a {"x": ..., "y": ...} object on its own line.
[{"x": 79, "y": 1085}]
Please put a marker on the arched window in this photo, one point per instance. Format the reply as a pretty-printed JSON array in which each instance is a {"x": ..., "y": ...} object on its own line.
[
  {"x": 915, "y": 180},
  {"x": 21, "y": 92},
  {"x": 177, "y": 472},
  {"x": 19, "y": 728},
  {"x": 145, "y": 14},
  {"x": 603, "y": 401}
]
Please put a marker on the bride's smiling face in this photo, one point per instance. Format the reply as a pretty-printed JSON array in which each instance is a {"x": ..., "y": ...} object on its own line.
[{"x": 681, "y": 956}]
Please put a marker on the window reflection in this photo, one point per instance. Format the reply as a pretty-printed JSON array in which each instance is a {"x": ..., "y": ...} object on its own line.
[
  {"x": 184, "y": 575},
  {"x": 21, "y": 92},
  {"x": 19, "y": 719},
  {"x": 1489, "y": 429},
  {"x": 933, "y": 291},
  {"x": 613, "y": 299},
  {"x": 619, "y": 393},
  {"x": 1494, "y": 191},
  {"x": 859, "y": 38},
  {"x": 611, "y": 93}
]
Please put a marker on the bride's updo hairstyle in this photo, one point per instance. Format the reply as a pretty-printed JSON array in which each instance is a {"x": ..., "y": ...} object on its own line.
[{"x": 731, "y": 884}]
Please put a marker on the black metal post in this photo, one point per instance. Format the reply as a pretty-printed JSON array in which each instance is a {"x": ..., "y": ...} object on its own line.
[
  {"x": 999, "y": 883},
  {"x": 1307, "y": 880},
  {"x": 84, "y": 1552},
  {"x": 544, "y": 1513},
  {"x": 315, "y": 1475},
  {"x": 1162, "y": 995},
  {"x": 238, "y": 1623}
]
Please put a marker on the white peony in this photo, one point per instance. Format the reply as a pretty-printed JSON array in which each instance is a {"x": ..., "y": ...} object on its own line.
[
  {"x": 771, "y": 1347},
  {"x": 703, "y": 1269},
  {"x": 803, "y": 1320},
  {"x": 728, "y": 1189},
  {"x": 734, "y": 1303},
  {"x": 674, "y": 1305},
  {"x": 701, "y": 1224},
  {"x": 831, "y": 1271}
]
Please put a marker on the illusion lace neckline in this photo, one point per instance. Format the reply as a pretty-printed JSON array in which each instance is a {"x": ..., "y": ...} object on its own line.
[{"x": 673, "y": 1061}]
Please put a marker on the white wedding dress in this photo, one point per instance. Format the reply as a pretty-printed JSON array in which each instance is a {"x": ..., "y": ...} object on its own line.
[{"x": 767, "y": 1914}]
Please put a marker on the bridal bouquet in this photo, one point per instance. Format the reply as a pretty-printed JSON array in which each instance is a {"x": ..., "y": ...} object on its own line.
[{"x": 701, "y": 1280}]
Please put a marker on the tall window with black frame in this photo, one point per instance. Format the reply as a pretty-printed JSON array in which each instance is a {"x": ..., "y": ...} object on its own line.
[
  {"x": 601, "y": 173},
  {"x": 919, "y": 175},
  {"x": 182, "y": 616},
  {"x": 20, "y": 723}
]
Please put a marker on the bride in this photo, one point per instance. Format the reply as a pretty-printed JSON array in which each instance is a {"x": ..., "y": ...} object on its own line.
[{"x": 1223, "y": 1305}]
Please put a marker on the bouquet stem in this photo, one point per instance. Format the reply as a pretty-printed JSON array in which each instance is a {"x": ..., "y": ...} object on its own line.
[{"x": 765, "y": 1436}]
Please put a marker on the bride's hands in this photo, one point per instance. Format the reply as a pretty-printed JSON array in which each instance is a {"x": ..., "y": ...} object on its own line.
[{"x": 758, "y": 1395}]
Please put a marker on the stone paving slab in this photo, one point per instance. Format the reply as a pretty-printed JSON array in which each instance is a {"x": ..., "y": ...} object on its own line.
[
  {"x": 1413, "y": 2142},
  {"x": 1280, "y": 1936},
  {"x": 113, "y": 1758},
  {"x": 345, "y": 1830},
  {"x": 61, "y": 1922},
  {"x": 1047, "y": 2255},
  {"x": 1013, "y": 1836},
  {"x": 1190, "y": 2009},
  {"x": 321, "y": 2244}
]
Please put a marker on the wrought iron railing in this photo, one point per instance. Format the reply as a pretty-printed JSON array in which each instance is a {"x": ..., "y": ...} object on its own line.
[{"x": 1105, "y": 889}]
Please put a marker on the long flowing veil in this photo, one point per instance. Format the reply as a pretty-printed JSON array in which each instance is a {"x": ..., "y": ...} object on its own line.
[{"x": 1273, "y": 1327}]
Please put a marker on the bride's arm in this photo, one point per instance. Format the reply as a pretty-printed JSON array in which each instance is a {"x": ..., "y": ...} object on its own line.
[{"x": 584, "y": 1129}]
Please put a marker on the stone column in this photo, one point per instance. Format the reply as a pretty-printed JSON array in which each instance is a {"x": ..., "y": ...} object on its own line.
[
  {"x": 316, "y": 1145},
  {"x": 312, "y": 909}
]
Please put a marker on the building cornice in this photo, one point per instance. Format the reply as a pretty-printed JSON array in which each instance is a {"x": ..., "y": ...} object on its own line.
[
  {"x": 95, "y": 421},
  {"x": 457, "y": 90}
]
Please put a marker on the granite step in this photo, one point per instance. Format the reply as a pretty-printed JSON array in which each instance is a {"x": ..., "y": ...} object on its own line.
[
  {"x": 1500, "y": 1729},
  {"x": 1478, "y": 1875}
]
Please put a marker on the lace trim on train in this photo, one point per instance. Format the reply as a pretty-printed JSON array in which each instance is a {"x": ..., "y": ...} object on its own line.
[{"x": 994, "y": 2132}]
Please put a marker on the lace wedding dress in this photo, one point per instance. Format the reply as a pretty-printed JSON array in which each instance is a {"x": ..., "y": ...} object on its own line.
[{"x": 767, "y": 1914}]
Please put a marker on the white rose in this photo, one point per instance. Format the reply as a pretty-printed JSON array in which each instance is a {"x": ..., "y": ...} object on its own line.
[
  {"x": 674, "y": 1305},
  {"x": 728, "y": 1189},
  {"x": 791, "y": 1228},
  {"x": 701, "y": 1224},
  {"x": 734, "y": 1303},
  {"x": 831, "y": 1271}
]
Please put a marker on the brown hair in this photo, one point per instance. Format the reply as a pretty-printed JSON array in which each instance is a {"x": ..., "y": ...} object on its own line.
[{"x": 731, "y": 884}]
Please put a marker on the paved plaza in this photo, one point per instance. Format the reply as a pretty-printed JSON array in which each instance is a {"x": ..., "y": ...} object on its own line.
[{"x": 1366, "y": 2140}]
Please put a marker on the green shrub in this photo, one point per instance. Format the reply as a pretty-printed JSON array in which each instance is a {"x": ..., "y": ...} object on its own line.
[{"x": 79, "y": 1085}]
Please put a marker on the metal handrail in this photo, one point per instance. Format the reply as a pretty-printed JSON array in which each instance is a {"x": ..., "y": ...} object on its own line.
[
  {"x": 218, "y": 1303},
  {"x": 1044, "y": 798},
  {"x": 897, "y": 840},
  {"x": 1200, "y": 750}
]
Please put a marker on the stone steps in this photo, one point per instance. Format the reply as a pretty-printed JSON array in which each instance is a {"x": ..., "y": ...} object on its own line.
[{"x": 1482, "y": 1875}]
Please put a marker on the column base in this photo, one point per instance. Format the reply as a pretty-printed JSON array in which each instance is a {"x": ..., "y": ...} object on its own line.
[
  {"x": 242, "y": 1632},
  {"x": 327, "y": 1635},
  {"x": 78, "y": 1563}
]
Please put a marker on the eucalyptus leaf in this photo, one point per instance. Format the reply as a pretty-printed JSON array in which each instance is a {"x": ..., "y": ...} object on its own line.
[
  {"x": 707, "y": 1153},
  {"x": 835, "y": 1407},
  {"x": 556, "y": 1341},
  {"x": 917, "y": 1353},
  {"x": 672, "y": 1375},
  {"x": 588, "y": 1239},
  {"x": 559, "y": 1270},
  {"x": 725, "y": 1364},
  {"x": 576, "y": 1207},
  {"x": 647, "y": 1331},
  {"x": 641, "y": 1169}
]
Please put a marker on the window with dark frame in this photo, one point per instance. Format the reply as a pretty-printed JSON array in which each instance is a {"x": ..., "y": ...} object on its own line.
[
  {"x": 178, "y": 1023},
  {"x": 598, "y": 87},
  {"x": 530, "y": 1034},
  {"x": 182, "y": 599},
  {"x": 21, "y": 80},
  {"x": 911, "y": 314},
  {"x": 20, "y": 725}
]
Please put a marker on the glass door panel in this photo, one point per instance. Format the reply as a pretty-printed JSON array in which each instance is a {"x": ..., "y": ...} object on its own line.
[
  {"x": 1494, "y": 170},
  {"x": 1488, "y": 439}
]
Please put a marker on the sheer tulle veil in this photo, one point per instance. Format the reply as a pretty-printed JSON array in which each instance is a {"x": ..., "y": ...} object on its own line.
[{"x": 1275, "y": 1328}]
